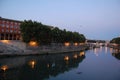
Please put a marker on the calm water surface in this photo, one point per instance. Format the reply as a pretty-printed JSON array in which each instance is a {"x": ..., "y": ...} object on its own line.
[{"x": 96, "y": 64}]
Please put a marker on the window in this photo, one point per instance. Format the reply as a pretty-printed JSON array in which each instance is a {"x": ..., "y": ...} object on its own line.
[
  {"x": 3, "y": 21},
  {"x": 18, "y": 31},
  {"x": 19, "y": 24},
  {"x": 2, "y": 30},
  {"x": 11, "y": 31},
  {"x": 15, "y": 23},
  {"x": 7, "y": 22},
  {"x": 11, "y": 22},
  {"x": 7, "y": 26},
  {"x": 11, "y": 26},
  {"x": 2, "y": 25},
  {"x": 15, "y": 26},
  {"x": 7, "y": 30}
]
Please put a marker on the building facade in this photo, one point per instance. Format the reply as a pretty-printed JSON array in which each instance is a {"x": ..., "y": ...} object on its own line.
[{"x": 9, "y": 29}]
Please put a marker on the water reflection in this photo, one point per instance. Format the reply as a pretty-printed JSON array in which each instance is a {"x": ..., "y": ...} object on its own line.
[
  {"x": 96, "y": 51},
  {"x": 39, "y": 67},
  {"x": 116, "y": 53},
  {"x": 32, "y": 63},
  {"x": 106, "y": 49},
  {"x": 4, "y": 67}
]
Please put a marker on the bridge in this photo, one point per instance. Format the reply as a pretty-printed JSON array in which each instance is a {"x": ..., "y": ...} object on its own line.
[{"x": 97, "y": 43}]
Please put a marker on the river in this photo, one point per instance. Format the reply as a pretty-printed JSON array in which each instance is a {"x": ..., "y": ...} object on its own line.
[{"x": 95, "y": 64}]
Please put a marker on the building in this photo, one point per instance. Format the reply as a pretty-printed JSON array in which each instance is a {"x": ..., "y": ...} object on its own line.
[{"x": 9, "y": 29}]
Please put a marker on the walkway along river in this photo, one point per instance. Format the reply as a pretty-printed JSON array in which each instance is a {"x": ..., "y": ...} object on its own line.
[{"x": 96, "y": 64}]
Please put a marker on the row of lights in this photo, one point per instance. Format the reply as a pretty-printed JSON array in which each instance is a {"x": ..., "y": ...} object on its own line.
[
  {"x": 34, "y": 43},
  {"x": 75, "y": 44},
  {"x": 66, "y": 58},
  {"x": 32, "y": 63}
]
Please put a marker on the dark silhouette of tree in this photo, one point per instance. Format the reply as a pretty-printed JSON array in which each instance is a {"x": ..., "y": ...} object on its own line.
[
  {"x": 44, "y": 34},
  {"x": 115, "y": 40}
]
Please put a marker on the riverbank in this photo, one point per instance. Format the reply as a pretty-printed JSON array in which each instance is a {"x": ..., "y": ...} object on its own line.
[{"x": 18, "y": 48}]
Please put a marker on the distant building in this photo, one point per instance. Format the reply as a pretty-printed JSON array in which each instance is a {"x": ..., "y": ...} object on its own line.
[{"x": 9, "y": 29}]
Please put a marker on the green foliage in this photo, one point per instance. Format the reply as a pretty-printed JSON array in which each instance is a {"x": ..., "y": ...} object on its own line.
[
  {"x": 115, "y": 40},
  {"x": 44, "y": 34}
]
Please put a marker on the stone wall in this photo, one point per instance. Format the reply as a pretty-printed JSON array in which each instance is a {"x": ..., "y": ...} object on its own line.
[{"x": 14, "y": 43}]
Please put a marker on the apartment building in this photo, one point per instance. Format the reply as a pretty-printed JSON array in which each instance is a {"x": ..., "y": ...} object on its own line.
[{"x": 9, "y": 29}]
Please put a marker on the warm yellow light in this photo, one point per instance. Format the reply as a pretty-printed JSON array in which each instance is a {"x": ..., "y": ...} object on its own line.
[
  {"x": 75, "y": 44},
  {"x": 33, "y": 43},
  {"x": 32, "y": 63},
  {"x": 66, "y": 58},
  {"x": 4, "y": 67},
  {"x": 82, "y": 54},
  {"x": 75, "y": 56},
  {"x": 5, "y": 41},
  {"x": 48, "y": 65},
  {"x": 81, "y": 43},
  {"x": 67, "y": 44}
]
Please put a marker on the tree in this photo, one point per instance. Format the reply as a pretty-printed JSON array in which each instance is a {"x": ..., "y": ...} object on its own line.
[
  {"x": 44, "y": 34},
  {"x": 115, "y": 40}
]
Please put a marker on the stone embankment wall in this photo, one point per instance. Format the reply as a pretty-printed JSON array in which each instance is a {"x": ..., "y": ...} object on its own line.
[
  {"x": 9, "y": 47},
  {"x": 57, "y": 48}
]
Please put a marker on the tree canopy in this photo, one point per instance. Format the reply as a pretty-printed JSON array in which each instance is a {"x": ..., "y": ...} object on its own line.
[
  {"x": 115, "y": 40},
  {"x": 44, "y": 34}
]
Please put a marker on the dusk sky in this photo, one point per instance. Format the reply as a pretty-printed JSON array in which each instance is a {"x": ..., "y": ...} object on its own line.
[{"x": 96, "y": 19}]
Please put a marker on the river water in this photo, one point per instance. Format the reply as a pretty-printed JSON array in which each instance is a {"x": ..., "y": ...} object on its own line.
[{"x": 95, "y": 64}]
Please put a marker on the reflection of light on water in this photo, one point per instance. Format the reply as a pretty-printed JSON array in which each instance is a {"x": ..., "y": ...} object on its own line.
[
  {"x": 4, "y": 67},
  {"x": 96, "y": 51},
  {"x": 53, "y": 64},
  {"x": 111, "y": 50},
  {"x": 101, "y": 48},
  {"x": 75, "y": 56},
  {"x": 66, "y": 58},
  {"x": 106, "y": 49},
  {"x": 32, "y": 63},
  {"x": 82, "y": 54},
  {"x": 48, "y": 65}
]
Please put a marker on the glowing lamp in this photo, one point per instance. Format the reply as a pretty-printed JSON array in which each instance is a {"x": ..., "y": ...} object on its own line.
[
  {"x": 75, "y": 44},
  {"x": 66, "y": 58},
  {"x": 75, "y": 56},
  {"x": 67, "y": 44},
  {"x": 5, "y": 41},
  {"x": 4, "y": 67},
  {"x": 33, "y": 43}
]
